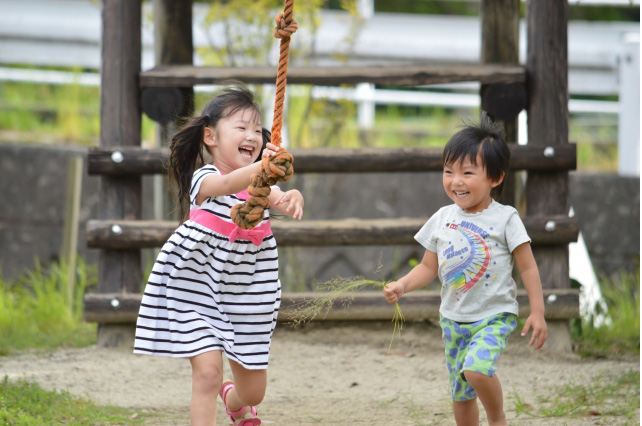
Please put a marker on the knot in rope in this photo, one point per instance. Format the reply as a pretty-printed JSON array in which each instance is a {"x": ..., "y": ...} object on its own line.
[
  {"x": 284, "y": 29},
  {"x": 274, "y": 169},
  {"x": 278, "y": 168}
]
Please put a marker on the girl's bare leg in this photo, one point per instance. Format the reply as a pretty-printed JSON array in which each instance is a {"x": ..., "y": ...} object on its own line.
[
  {"x": 249, "y": 387},
  {"x": 489, "y": 392},
  {"x": 466, "y": 412},
  {"x": 207, "y": 377}
]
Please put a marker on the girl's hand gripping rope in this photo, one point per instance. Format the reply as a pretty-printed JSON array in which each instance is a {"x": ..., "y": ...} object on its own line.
[{"x": 276, "y": 167}]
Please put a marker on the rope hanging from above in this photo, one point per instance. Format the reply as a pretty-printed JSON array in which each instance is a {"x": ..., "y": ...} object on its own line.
[{"x": 278, "y": 168}]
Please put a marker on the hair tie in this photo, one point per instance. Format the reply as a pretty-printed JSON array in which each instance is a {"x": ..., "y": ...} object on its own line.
[{"x": 208, "y": 119}]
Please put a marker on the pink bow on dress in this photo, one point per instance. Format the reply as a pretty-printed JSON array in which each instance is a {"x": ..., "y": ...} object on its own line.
[{"x": 254, "y": 235}]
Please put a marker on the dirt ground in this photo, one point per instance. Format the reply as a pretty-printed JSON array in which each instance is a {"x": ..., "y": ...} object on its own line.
[{"x": 324, "y": 373}]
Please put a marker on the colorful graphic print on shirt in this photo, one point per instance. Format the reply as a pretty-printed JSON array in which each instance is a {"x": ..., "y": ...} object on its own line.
[{"x": 466, "y": 258}]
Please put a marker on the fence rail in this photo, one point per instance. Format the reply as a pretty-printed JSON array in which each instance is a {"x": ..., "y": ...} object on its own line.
[
  {"x": 120, "y": 161},
  {"x": 128, "y": 234}
]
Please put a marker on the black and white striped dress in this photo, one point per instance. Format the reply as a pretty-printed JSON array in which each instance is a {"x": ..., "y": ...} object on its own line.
[{"x": 206, "y": 293}]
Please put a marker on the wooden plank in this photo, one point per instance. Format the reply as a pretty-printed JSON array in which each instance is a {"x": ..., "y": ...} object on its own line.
[
  {"x": 116, "y": 235},
  {"x": 123, "y": 161},
  {"x": 182, "y": 76},
  {"x": 416, "y": 306},
  {"x": 69, "y": 250}
]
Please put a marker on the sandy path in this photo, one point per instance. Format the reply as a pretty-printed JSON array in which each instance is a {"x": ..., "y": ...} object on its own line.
[{"x": 338, "y": 375}]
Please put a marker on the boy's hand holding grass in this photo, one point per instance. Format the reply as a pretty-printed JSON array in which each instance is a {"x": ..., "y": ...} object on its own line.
[
  {"x": 343, "y": 289},
  {"x": 393, "y": 291}
]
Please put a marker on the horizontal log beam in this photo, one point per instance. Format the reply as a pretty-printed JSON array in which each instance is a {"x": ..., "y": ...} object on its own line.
[
  {"x": 186, "y": 76},
  {"x": 127, "y": 161},
  {"x": 123, "y": 234},
  {"x": 561, "y": 304}
]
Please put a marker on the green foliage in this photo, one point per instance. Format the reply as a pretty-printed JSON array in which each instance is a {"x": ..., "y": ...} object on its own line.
[
  {"x": 608, "y": 396},
  {"x": 596, "y": 138},
  {"x": 53, "y": 114},
  {"x": 34, "y": 312},
  {"x": 620, "y": 334},
  {"x": 70, "y": 114},
  {"x": 27, "y": 404},
  {"x": 248, "y": 26}
]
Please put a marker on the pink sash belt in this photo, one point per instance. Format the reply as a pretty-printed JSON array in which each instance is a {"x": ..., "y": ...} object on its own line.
[{"x": 229, "y": 229}]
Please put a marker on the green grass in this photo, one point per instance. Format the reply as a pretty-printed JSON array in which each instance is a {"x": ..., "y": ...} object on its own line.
[
  {"x": 606, "y": 397},
  {"x": 25, "y": 403},
  {"x": 622, "y": 334},
  {"x": 35, "y": 312},
  {"x": 609, "y": 395}
]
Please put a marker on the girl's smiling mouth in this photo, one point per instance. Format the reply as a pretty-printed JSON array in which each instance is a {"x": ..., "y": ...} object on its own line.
[{"x": 246, "y": 151}]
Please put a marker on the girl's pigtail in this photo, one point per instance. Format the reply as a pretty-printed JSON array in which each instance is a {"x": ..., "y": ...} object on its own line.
[
  {"x": 186, "y": 155},
  {"x": 267, "y": 136}
]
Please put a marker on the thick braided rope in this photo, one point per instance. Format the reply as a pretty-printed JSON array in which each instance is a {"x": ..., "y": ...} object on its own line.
[{"x": 278, "y": 168}]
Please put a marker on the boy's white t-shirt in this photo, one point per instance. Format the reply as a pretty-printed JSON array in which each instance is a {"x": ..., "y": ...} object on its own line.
[{"x": 475, "y": 259}]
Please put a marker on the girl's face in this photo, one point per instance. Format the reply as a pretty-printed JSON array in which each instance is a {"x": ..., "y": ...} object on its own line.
[
  {"x": 236, "y": 140},
  {"x": 468, "y": 185}
]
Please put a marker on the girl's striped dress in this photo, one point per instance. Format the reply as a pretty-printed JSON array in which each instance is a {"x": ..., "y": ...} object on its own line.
[{"x": 212, "y": 291}]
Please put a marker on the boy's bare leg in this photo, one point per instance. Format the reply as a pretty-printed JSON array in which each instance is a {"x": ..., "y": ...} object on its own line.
[
  {"x": 489, "y": 392},
  {"x": 466, "y": 412}
]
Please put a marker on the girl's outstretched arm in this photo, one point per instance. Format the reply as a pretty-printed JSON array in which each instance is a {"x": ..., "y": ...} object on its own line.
[
  {"x": 420, "y": 276},
  {"x": 233, "y": 182},
  {"x": 530, "y": 277},
  {"x": 289, "y": 202}
]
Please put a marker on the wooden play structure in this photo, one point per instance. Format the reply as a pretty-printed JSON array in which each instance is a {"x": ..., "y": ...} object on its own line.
[{"x": 541, "y": 87}]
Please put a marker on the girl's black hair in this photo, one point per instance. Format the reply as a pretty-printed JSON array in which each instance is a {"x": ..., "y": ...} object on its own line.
[
  {"x": 186, "y": 147},
  {"x": 487, "y": 139}
]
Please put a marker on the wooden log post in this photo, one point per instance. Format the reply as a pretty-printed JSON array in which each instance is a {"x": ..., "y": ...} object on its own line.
[
  {"x": 548, "y": 193},
  {"x": 500, "y": 45},
  {"x": 120, "y": 119},
  {"x": 173, "y": 45}
]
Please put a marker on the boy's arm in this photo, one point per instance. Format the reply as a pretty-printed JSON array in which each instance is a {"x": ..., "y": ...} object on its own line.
[
  {"x": 530, "y": 277},
  {"x": 289, "y": 202},
  {"x": 420, "y": 276}
]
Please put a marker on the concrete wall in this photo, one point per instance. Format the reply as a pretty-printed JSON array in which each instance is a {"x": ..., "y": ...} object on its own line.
[
  {"x": 608, "y": 211},
  {"x": 33, "y": 181},
  {"x": 32, "y": 196}
]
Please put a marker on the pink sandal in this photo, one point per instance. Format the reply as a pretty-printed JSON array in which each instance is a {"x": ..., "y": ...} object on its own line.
[{"x": 250, "y": 418}]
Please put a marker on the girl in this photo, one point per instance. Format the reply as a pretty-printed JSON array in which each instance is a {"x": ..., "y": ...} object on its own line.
[
  {"x": 472, "y": 245},
  {"x": 215, "y": 288}
]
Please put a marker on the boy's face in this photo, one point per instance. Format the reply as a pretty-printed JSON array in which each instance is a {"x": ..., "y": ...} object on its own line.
[{"x": 468, "y": 185}]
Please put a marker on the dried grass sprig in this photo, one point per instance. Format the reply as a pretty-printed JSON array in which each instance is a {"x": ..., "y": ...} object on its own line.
[{"x": 343, "y": 290}]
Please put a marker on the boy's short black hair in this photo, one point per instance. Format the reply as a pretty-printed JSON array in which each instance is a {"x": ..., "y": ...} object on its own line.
[{"x": 487, "y": 139}]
